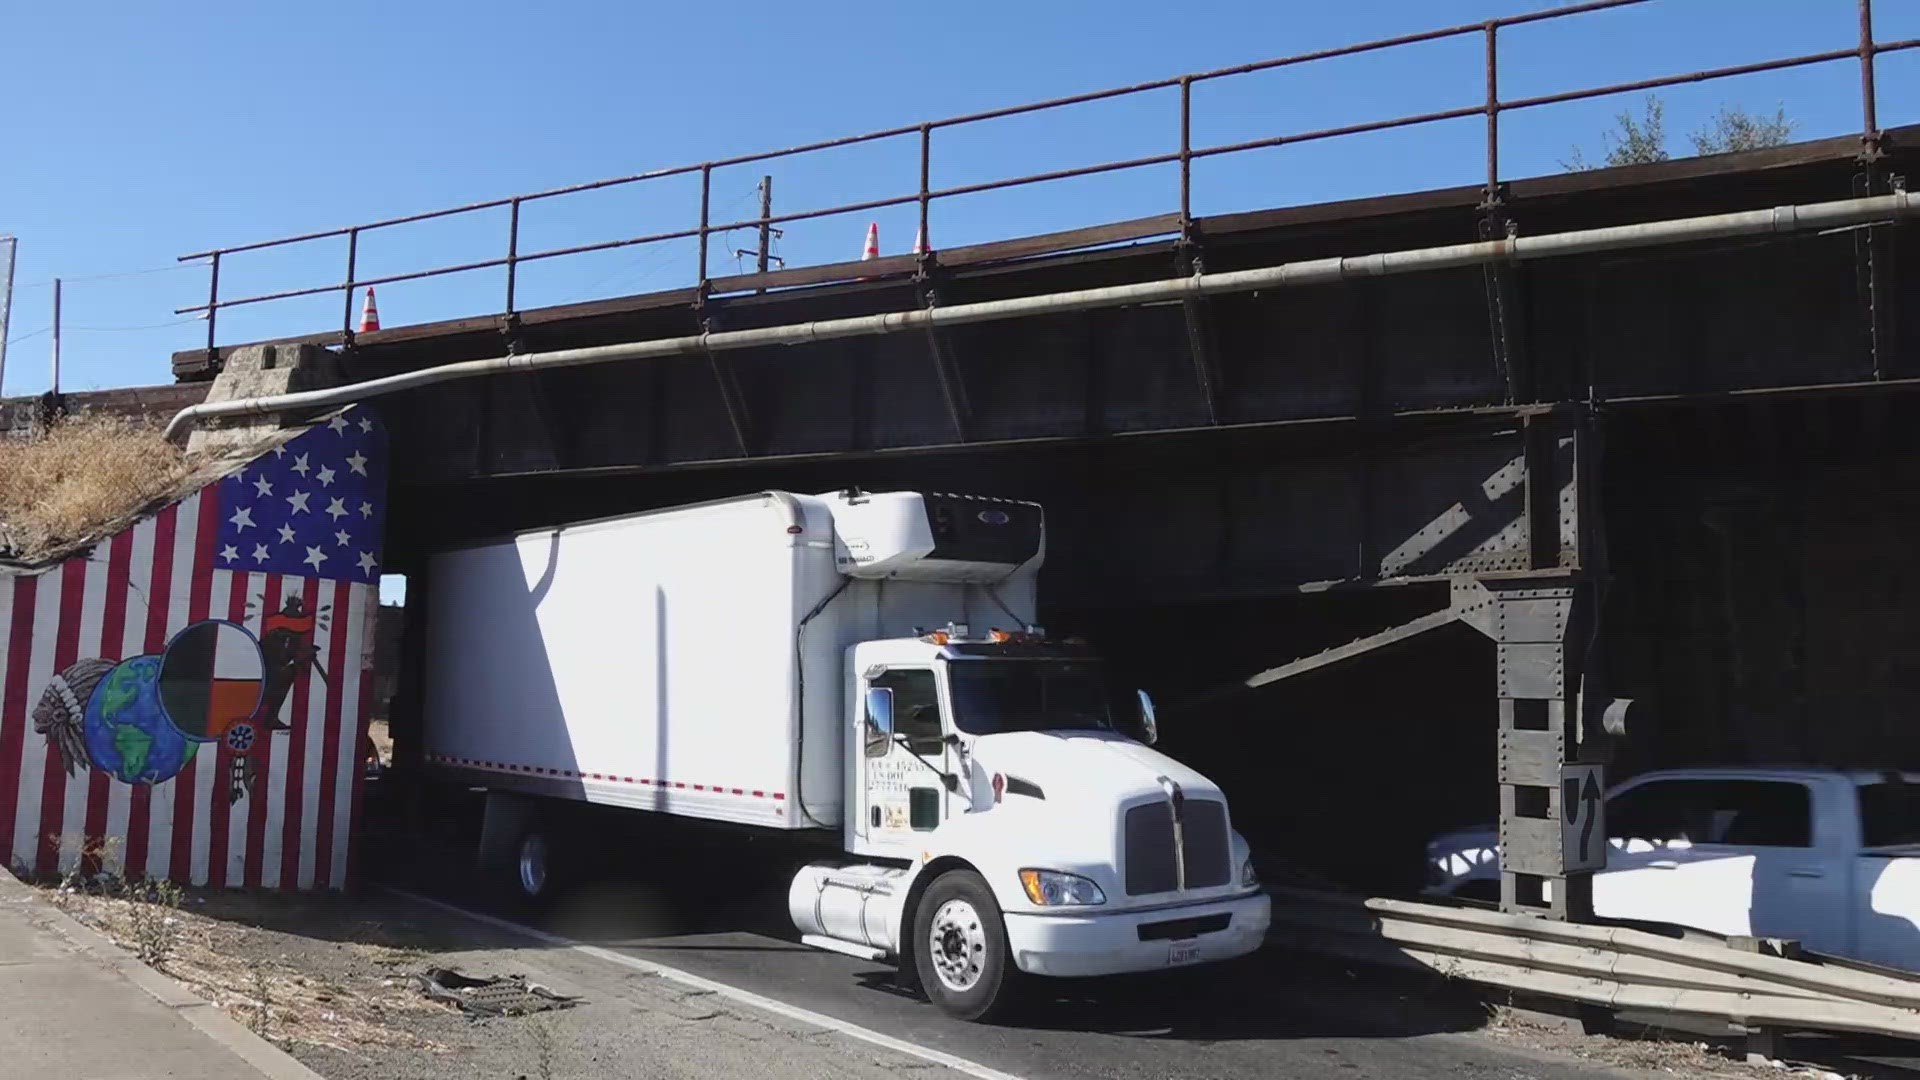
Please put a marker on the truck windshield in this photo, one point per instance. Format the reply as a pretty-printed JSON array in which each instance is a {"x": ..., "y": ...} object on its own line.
[{"x": 992, "y": 696}]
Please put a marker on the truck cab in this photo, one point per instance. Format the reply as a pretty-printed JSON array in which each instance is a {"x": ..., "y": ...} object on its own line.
[{"x": 1018, "y": 822}]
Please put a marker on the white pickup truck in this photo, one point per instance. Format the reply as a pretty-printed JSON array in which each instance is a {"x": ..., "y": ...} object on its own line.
[{"x": 1827, "y": 857}]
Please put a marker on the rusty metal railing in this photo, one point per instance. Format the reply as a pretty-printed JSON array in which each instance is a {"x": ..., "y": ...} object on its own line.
[{"x": 1492, "y": 107}]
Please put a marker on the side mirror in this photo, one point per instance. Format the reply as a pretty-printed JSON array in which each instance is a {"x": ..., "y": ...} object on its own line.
[
  {"x": 1149, "y": 728},
  {"x": 879, "y": 716}
]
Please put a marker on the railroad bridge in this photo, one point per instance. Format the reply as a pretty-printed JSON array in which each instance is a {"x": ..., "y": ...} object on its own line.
[{"x": 1652, "y": 459}]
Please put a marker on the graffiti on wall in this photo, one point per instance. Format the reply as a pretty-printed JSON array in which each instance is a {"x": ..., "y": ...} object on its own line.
[{"x": 141, "y": 719}]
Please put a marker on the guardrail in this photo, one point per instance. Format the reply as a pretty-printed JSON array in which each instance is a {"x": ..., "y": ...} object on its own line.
[
  {"x": 1492, "y": 107},
  {"x": 1611, "y": 967}
]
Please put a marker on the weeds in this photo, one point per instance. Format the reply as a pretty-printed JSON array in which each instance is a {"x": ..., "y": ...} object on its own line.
[
  {"x": 88, "y": 875},
  {"x": 262, "y": 1017},
  {"x": 77, "y": 477},
  {"x": 153, "y": 918}
]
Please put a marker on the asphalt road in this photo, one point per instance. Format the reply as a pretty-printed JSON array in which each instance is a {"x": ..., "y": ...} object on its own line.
[{"x": 1273, "y": 1014}]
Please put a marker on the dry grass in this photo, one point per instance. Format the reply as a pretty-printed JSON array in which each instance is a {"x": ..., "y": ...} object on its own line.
[
  {"x": 277, "y": 996},
  {"x": 80, "y": 475}
]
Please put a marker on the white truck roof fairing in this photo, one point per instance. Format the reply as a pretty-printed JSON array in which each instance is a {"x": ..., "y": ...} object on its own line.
[{"x": 912, "y": 536}]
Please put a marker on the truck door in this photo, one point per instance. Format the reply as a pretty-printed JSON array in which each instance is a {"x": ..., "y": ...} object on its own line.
[{"x": 902, "y": 792}]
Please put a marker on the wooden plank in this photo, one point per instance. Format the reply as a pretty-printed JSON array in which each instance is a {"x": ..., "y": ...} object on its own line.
[
  {"x": 1118, "y": 232},
  {"x": 619, "y": 305},
  {"x": 888, "y": 266}
]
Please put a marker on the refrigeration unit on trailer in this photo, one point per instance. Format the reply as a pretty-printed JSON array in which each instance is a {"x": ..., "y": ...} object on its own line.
[{"x": 862, "y": 667}]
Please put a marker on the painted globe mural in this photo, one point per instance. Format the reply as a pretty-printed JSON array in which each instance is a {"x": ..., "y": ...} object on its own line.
[{"x": 128, "y": 732}]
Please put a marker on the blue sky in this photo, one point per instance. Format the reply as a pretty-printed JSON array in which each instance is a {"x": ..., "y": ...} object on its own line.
[{"x": 140, "y": 131}]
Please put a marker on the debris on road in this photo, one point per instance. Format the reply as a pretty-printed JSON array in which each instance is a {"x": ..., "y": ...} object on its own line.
[{"x": 500, "y": 995}]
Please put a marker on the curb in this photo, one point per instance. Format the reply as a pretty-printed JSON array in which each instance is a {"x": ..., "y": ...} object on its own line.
[{"x": 272, "y": 1062}]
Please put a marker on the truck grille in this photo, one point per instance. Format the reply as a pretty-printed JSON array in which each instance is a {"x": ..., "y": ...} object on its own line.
[{"x": 1149, "y": 849}]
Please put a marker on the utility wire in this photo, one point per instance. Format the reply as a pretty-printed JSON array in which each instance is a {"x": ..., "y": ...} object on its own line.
[
  {"x": 146, "y": 326},
  {"x": 109, "y": 276}
]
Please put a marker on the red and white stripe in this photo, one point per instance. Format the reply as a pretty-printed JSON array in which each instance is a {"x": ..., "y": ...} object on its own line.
[{"x": 129, "y": 596}]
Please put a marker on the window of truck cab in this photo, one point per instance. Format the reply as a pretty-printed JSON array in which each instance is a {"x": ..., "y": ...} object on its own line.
[
  {"x": 916, "y": 709},
  {"x": 993, "y": 695}
]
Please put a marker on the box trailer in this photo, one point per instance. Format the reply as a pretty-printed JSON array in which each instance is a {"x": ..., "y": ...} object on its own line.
[{"x": 866, "y": 667}]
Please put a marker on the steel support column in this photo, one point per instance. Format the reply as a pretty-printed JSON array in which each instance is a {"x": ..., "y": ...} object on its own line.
[{"x": 1541, "y": 626}]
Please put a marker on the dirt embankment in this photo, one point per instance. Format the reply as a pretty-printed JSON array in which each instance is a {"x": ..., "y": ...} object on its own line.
[{"x": 79, "y": 476}]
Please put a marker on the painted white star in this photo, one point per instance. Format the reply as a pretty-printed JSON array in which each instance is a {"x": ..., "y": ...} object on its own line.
[
  {"x": 262, "y": 485},
  {"x": 325, "y": 476},
  {"x": 279, "y": 451},
  {"x": 286, "y": 534},
  {"x": 300, "y": 465},
  {"x": 298, "y": 500},
  {"x": 367, "y": 562},
  {"x": 241, "y": 519},
  {"x": 314, "y": 558},
  {"x": 357, "y": 461},
  {"x": 336, "y": 509},
  {"x": 366, "y": 425},
  {"x": 343, "y": 538},
  {"x": 259, "y": 553},
  {"x": 338, "y": 424},
  {"x": 228, "y": 553},
  {"x": 366, "y": 509}
]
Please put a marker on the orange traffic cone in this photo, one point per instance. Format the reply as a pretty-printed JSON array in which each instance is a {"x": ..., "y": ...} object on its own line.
[
  {"x": 369, "y": 314},
  {"x": 920, "y": 240},
  {"x": 872, "y": 250}
]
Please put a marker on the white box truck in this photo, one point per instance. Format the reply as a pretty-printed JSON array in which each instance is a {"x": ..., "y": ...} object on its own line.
[{"x": 861, "y": 667}]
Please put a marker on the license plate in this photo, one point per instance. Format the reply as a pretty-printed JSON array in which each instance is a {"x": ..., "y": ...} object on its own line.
[{"x": 1183, "y": 952}]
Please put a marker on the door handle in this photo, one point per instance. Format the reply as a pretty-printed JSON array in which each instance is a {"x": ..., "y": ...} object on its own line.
[{"x": 1812, "y": 875}]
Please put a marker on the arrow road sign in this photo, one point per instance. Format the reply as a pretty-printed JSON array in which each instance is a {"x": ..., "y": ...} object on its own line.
[{"x": 1583, "y": 818}]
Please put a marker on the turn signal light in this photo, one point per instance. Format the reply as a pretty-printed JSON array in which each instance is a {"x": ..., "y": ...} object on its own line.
[{"x": 999, "y": 787}]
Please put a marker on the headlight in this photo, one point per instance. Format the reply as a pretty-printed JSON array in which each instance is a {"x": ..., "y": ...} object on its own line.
[
  {"x": 1050, "y": 888},
  {"x": 1248, "y": 878}
]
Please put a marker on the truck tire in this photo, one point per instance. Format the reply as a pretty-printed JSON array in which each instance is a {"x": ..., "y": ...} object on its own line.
[
  {"x": 960, "y": 948},
  {"x": 520, "y": 858}
]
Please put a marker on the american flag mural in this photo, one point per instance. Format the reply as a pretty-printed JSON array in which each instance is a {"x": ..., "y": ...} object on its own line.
[{"x": 187, "y": 699}]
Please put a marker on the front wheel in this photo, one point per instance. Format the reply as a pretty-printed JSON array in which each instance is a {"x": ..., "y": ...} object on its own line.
[{"x": 960, "y": 947}]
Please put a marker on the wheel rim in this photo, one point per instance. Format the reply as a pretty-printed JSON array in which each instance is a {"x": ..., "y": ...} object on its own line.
[
  {"x": 957, "y": 943},
  {"x": 533, "y": 864}
]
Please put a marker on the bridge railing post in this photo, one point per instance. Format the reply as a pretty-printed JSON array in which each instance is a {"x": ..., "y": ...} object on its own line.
[
  {"x": 1869, "y": 104},
  {"x": 926, "y": 177},
  {"x": 1186, "y": 154},
  {"x": 1493, "y": 111},
  {"x": 706, "y": 203},
  {"x": 513, "y": 250},
  {"x": 346, "y": 304},
  {"x": 213, "y": 304}
]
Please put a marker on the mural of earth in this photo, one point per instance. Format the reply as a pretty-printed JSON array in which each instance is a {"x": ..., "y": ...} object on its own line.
[{"x": 128, "y": 733}]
